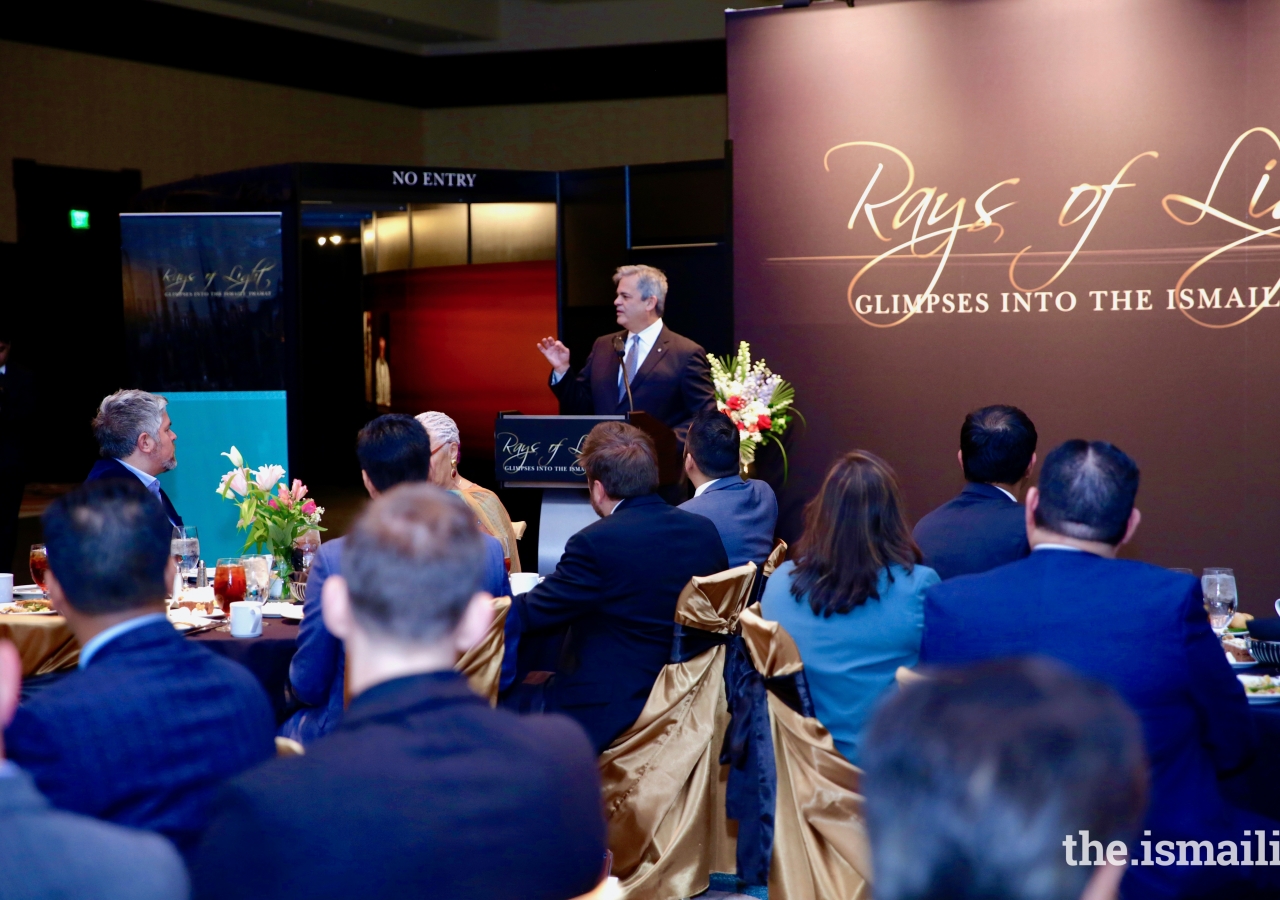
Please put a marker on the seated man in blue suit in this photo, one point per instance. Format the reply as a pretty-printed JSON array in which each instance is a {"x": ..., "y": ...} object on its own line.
[
  {"x": 617, "y": 584},
  {"x": 423, "y": 790},
  {"x": 392, "y": 449},
  {"x": 983, "y": 527},
  {"x": 136, "y": 440},
  {"x": 1139, "y": 628},
  {"x": 152, "y": 723},
  {"x": 50, "y": 853},
  {"x": 745, "y": 512}
]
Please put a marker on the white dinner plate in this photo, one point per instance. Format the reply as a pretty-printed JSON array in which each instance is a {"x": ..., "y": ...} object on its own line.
[
  {"x": 1263, "y": 699},
  {"x": 275, "y": 609},
  {"x": 27, "y": 591},
  {"x": 293, "y": 614},
  {"x": 4, "y": 607},
  {"x": 1242, "y": 665}
]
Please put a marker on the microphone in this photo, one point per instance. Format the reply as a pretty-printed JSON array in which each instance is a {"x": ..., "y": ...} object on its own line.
[{"x": 619, "y": 347}]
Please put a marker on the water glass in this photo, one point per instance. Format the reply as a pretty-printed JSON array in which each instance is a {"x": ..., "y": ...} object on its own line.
[
  {"x": 257, "y": 573},
  {"x": 184, "y": 544},
  {"x": 1220, "y": 600}
]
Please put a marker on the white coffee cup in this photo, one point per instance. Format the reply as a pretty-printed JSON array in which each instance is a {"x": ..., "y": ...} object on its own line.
[
  {"x": 6, "y": 587},
  {"x": 246, "y": 619},
  {"x": 523, "y": 581}
]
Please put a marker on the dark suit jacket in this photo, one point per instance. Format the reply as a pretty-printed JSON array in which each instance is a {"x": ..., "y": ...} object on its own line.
[
  {"x": 745, "y": 512},
  {"x": 616, "y": 587},
  {"x": 145, "y": 734},
  {"x": 1140, "y": 629},
  {"x": 423, "y": 791},
  {"x": 672, "y": 385},
  {"x": 49, "y": 853},
  {"x": 318, "y": 668},
  {"x": 112, "y": 468},
  {"x": 17, "y": 415},
  {"x": 976, "y": 531}
]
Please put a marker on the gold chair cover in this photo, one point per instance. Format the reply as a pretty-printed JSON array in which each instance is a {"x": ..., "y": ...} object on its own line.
[
  {"x": 482, "y": 664},
  {"x": 777, "y": 557},
  {"x": 663, "y": 783},
  {"x": 820, "y": 846}
]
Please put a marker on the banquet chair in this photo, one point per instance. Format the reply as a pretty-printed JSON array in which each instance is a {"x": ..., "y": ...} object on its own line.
[
  {"x": 482, "y": 664},
  {"x": 820, "y": 846},
  {"x": 664, "y": 785},
  {"x": 777, "y": 556}
]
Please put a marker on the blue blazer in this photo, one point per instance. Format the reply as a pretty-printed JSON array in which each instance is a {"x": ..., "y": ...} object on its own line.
[
  {"x": 145, "y": 734},
  {"x": 422, "y": 791},
  {"x": 111, "y": 468},
  {"x": 976, "y": 531},
  {"x": 318, "y": 669},
  {"x": 744, "y": 512},
  {"x": 1140, "y": 629},
  {"x": 616, "y": 588}
]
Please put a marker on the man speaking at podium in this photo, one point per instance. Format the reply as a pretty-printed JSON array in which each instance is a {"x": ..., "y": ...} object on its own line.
[{"x": 668, "y": 374}]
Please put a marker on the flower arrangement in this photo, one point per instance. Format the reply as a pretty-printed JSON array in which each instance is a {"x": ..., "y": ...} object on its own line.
[
  {"x": 275, "y": 520},
  {"x": 758, "y": 401}
]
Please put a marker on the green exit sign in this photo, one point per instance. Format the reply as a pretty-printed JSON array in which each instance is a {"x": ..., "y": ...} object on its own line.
[{"x": 79, "y": 218}]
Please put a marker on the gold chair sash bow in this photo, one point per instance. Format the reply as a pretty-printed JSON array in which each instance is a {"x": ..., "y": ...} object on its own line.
[
  {"x": 663, "y": 782},
  {"x": 482, "y": 664},
  {"x": 820, "y": 847}
]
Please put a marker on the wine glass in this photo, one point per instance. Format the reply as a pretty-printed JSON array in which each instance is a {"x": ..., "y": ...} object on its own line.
[
  {"x": 39, "y": 562},
  {"x": 1219, "y": 586},
  {"x": 185, "y": 547},
  {"x": 257, "y": 574}
]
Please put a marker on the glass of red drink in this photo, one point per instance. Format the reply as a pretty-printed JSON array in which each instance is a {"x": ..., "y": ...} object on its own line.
[
  {"x": 228, "y": 583},
  {"x": 39, "y": 566}
]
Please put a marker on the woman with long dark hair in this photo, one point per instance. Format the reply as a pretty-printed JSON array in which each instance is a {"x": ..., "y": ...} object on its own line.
[{"x": 853, "y": 594}]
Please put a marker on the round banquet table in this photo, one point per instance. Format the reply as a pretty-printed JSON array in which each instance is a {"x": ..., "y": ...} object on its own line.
[
  {"x": 267, "y": 657},
  {"x": 1257, "y": 786},
  {"x": 45, "y": 643}
]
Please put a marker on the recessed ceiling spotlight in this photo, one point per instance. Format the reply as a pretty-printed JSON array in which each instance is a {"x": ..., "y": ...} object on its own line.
[
  {"x": 321, "y": 240},
  {"x": 335, "y": 239}
]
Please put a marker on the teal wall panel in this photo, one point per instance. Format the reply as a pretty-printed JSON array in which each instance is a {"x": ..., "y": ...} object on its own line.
[{"x": 207, "y": 423}]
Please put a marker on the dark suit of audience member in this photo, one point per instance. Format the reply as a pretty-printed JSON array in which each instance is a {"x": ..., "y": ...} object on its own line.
[
  {"x": 617, "y": 584},
  {"x": 1139, "y": 628},
  {"x": 984, "y": 526},
  {"x": 153, "y": 723},
  {"x": 423, "y": 790},
  {"x": 319, "y": 664},
  {"x": 965, "y": 796},
  {"x": 17, "y": 410},
  {"x": 745, "y": 512},
  {"x": 393, "y": 449},
  {"x": 671, "y": 378},
  {"x": 47, "y": 853},
  {"x": 136, "y": 441}
]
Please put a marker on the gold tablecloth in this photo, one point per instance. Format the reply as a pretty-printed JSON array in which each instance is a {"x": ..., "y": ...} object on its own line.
[{"x": 45, "y": 643}]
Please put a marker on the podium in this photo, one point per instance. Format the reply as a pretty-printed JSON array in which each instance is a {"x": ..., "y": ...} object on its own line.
[{"x": 542, "y": 452}]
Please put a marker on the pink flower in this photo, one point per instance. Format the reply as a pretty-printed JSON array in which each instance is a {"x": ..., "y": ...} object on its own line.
[
  {"x": 741, "y": 427},
  {"x": 764, "y": 423},
  {"x": 309, "y": 507},
  {"x": 239, "y": 482},
  {"x": 272, "y": 503},
  {"x": 299, "y": 490},
  {"x": 286, "y": 499}
]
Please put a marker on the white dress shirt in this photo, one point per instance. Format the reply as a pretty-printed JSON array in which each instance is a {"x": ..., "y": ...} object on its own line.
[
  {"x": 1058, "y": 547},
  {"x": 697, "y": 492},
  {"x": 648, "y": 338},
  {"x": 1006, "y": 493}
]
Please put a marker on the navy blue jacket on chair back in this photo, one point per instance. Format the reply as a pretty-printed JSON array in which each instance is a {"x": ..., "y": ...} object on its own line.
[
  {"x": 318, "y": 668},
  {"x": 973, "y": 532},
  {"x": 145, "y": 734},
  {"x": 422, "y": 791},
  {"x": 745, "y": 513},
  {"x": 673, "y": 384},
  {"x": 1142, "y": 630},
  {"x": 112, "y": 468},
  {"x": 616, "y": 588}
]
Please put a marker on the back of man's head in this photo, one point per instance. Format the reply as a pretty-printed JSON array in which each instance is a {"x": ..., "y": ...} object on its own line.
[
  {"x": 996, "y": 445},
  {"x": 394, "y": 449},
  {"x": 713, "y": 442},
  {"x": 1087, "y": 490},
  {"x": 975, "y": 777},
  {"x": 412, "y": 563},
  {"x": 108, "y": 546},
  {"x": 622, "y": 458}
]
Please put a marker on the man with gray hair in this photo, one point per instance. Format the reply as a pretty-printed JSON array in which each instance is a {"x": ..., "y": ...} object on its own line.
[
  {"x": 645, "y": 367},
  {"x": 136, "y": 440},
  {"x": 423, "y": 790}
]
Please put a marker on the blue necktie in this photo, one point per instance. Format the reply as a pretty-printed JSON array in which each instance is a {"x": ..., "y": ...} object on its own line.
[{"x": 629, "y": 367}]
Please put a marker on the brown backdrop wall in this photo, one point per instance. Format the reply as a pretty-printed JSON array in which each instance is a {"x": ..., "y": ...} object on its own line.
[{"x": 888, "y": 115}]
